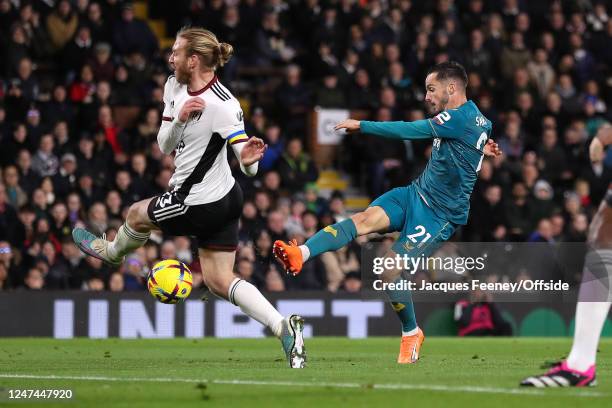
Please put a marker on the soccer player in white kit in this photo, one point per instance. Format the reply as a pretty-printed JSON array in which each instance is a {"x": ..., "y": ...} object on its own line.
[{"x": 200, "y": 117}]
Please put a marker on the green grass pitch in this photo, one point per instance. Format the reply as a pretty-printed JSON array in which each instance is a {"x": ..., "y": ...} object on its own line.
[{"x": 453, "y": 372}]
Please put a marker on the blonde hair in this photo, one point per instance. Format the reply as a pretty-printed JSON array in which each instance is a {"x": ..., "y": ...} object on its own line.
[{"x": 206, "y": 46}]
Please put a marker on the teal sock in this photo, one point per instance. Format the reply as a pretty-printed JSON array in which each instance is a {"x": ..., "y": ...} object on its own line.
[
  {"x": 401, "y": 301},
  {"x": 332, "y": 237}
]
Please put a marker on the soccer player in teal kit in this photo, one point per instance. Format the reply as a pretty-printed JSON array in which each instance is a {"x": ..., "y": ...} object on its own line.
[{"x": 428, "y": 211}]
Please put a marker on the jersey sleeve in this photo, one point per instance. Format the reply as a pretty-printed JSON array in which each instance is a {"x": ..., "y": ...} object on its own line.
[
  {"x": 229, "y": 123},
  {"x": 419, "y": 129},
  {"x": 448, "y": 125},
  {"x": 167, "y": 115}
]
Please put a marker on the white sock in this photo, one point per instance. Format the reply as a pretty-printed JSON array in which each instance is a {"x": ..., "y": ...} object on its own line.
[
  {"x": 590, "y": 318},
  {"x": 126, "y": 241},
  {"x": 305, "y": 252},
  {"x": 594, "y": 300},
  {"x": 250, "y": 300},
  {"x": 411, "y": 332}
]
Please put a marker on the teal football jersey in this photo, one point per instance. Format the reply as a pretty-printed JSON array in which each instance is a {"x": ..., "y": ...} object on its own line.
[{"x": 459, "y": 137}]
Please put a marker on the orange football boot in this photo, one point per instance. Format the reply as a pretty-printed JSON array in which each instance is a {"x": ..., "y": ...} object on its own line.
[
  {"x": 289, "y": 255},
  {"x": 410, "y": 348}
]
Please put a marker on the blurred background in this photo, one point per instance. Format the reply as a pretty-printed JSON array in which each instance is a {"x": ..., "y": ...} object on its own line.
[{"x": 81, "y": 86}]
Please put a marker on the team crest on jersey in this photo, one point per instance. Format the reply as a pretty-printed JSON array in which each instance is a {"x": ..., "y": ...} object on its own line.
[
  {"x": 240, "y": 116},
  {"x": 180, "y": 147},
  {"x": 195, "y": 116},
  {"x": 172, "y": 104},
  {"x": 436, "y": 143}
]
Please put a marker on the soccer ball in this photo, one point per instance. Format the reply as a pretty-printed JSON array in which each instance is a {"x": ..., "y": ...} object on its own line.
[{"x": 169, "y": 281}]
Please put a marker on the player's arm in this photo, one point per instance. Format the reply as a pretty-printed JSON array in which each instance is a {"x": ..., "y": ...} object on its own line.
[
  {"x": 602, "y": 139},
  {"x": 249, "y": 152},
  {"x": 229, "y": 124},
  {"x": 172, "y": 128},
  {"x": 419, "y": 129}
]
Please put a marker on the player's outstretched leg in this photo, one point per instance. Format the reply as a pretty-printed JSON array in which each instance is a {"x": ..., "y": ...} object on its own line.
[
  {"x": 218, "y": 276},
  {"x": 330, "y": 238},
  {"x": 131, "y": 235}
]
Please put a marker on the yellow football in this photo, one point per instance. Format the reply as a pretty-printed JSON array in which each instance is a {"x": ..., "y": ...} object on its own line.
[{"x": 170, "y": 281}]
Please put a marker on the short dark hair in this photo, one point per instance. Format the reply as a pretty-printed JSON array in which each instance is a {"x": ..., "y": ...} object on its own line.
[{"x": 448, "y": 70}]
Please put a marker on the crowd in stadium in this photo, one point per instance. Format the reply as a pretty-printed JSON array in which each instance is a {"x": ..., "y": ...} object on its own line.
[{"x": 539, "y": 70}]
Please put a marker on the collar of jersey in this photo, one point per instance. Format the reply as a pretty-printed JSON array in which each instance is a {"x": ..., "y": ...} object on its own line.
[{"x": 201, "y": 91}]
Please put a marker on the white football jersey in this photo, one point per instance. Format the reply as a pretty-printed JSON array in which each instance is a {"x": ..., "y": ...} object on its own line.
[{"x": 202, "y": 172}]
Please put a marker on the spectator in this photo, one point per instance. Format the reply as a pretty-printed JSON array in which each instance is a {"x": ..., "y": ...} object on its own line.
[
  {"x": 114, "y": 205},
  {"x": 23, "y": 90},
  {"x": 543, "y": 233},
  {"x": 62, "y": 24},
  {"x": 296, "y": 167},
  {"x": 111, "y": 131},
  {"x": 97, "y": 220},
  {"x": 293, "y": 98},
  {"x": 17, "y": 48},
  {"x": 339, "y": 265},
  {"x": 101, "y": 63},
  {"x": 4, "y": 282},
  {"x": 518, "y": 213},
  {"x": 480, "y": 317},
  {"x": 116, "y": 282},
  {"x": 147, "y": 131},
  {"x": 515, "y": 56},
  {"x": 83, "y": 89},
  {"x": 9, "y": 224},
  {"x": 275, "y": 148},
  {"x": 44, "y": 162},
  {"x": 276, "y": 226},
  {"x": 271, "y": 43},
  {"x": 34, "y": 125},
  {"x": 329, "y": 94},
  {"x": 37, "y": 36},
  {"x": 132, "y": 34},
  {"x": 16, "y": 196},
  {"x": 19, "y": 141},
  {"x": 59, "y": 108},
  {"x": 94, "y": 284},
  {"x": 552, "y": 157},
  {"x": 28, "y": 179},
  {"x": 13, "y": 276},
  {"x": 488, "y": 222},
  {"x": 352, "y": 282},
  {"x": 361, "y": 94},
  {"x": 60, "y": 227},
  {"x": 274, "y": 281},
  {"x": 65, "y": 180},
  {"x": 77, "y": 52},
  {"x": 98, "y": 26},
  {"x": 34, "y": 279},
  {"x": 541, "y": 73}
]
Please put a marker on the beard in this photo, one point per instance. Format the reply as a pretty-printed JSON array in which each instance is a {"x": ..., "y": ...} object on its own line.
[
  {"x": 183, "y": 76},
  {"x": 435, "y": 108},
  {"x": 442, "y": 104}
]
